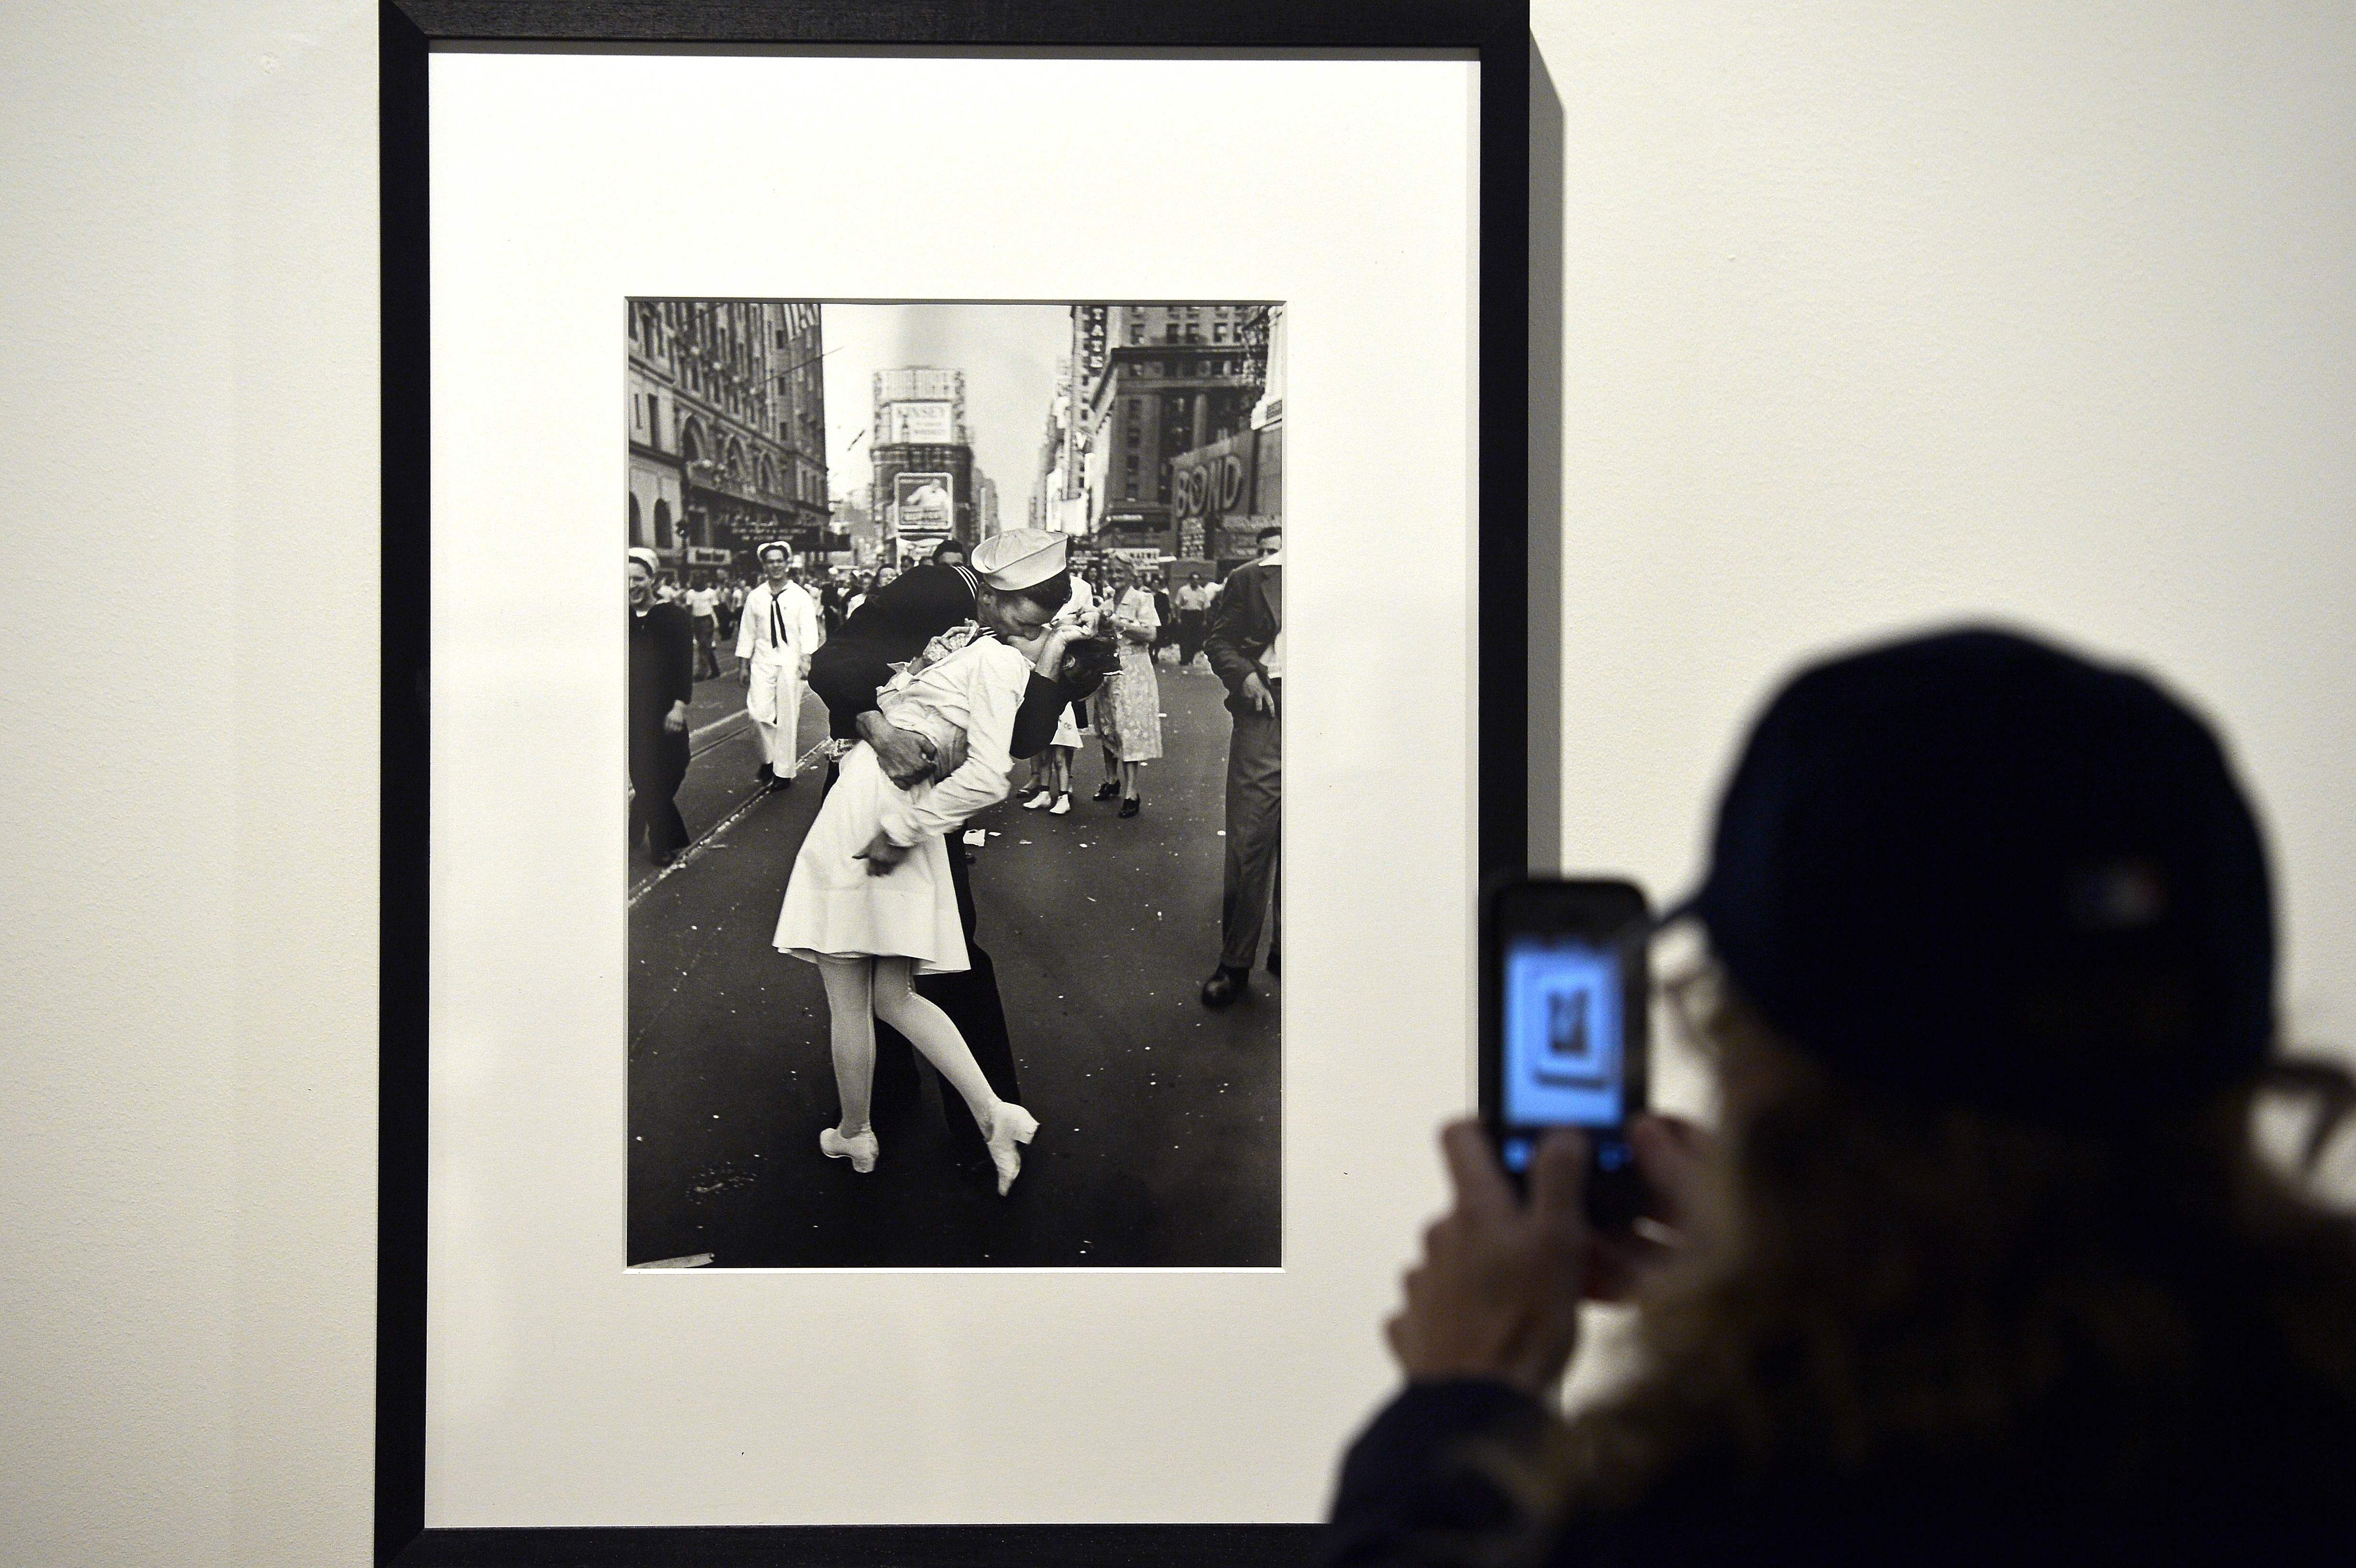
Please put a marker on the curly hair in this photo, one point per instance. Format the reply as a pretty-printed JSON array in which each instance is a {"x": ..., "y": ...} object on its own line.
[{"x": 1892, "y": 1286}]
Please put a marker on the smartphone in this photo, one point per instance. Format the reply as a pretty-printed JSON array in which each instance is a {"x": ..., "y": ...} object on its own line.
[{"x": 1565, "y": 1005}]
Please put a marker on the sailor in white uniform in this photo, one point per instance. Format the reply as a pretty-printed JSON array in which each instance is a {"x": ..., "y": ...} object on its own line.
[{"x": 775, "y": 638}]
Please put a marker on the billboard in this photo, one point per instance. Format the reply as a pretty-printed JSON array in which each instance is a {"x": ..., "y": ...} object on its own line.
[
  {"x": 923, "y": 505},
  {"x": 930, "y": 424},
  {"x": 1210, "y": 482},
  {"x": 918, "y": 384}
]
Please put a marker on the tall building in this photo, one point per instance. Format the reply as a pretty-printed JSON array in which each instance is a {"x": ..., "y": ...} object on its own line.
[
  {"x": 727, "y": 424},
  {"x": 1152, "y": 382},
  {"x": 923, "y": 460},
  {"x": 985, "y": 516},
  {"x": 1225, "y": 491},
  {"x": 1054, "y": 484}
]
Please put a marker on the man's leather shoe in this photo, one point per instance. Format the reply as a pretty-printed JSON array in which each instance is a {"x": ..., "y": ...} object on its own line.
[
  {"x": 1271, "y": 961},
  {"x": 1225, "y": 986}
]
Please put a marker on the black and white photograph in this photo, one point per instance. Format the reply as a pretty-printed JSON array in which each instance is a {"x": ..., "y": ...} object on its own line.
[{"x": 955, "y": 674}]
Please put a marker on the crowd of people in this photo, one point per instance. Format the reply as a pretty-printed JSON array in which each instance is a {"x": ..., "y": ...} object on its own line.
[{"x": 939, "y": 680}]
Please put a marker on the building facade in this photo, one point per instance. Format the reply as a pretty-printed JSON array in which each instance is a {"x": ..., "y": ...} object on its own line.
[
  {"x": 1225, "y": 491},
  {"x": 922, "y": 461},
  {"x": 727, "y": 430},
  {"x": 1152, "y": 382},
  {"x": 985, "y": 512}
]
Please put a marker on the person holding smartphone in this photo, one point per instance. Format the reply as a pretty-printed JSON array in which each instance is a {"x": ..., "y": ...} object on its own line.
[{"x": 1981, "y": 1262}]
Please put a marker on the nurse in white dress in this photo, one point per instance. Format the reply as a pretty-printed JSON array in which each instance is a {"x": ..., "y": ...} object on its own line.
[{"x": 870, "y": 901}]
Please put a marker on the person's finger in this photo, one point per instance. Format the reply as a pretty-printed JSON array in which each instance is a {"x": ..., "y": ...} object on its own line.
[
  {"x": 1559, "y": 1177},
  {"x": 1669, "y": 1154},
  {"x": 1618, "y": 1262},
  {"x": 1480, "y": 1182}
]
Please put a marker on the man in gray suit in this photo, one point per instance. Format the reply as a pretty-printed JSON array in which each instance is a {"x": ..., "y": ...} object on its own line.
[{"x": 1246, "y": 648}]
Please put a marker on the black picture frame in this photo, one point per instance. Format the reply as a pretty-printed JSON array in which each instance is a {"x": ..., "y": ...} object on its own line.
[{"x": 1496, "y": 32}]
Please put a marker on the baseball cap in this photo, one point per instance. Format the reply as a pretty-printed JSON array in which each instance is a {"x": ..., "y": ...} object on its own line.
[{"x": 1974, "y": 867}]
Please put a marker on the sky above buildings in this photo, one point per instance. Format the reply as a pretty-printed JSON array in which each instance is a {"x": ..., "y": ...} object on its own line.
[{"x": 1008, "y": 353}]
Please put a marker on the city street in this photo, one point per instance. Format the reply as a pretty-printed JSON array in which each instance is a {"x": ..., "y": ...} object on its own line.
[{"x": 1159, "y": 1119}]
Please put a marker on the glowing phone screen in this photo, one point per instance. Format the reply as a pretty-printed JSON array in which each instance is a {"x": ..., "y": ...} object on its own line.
[{"x": 1562, "y": 1034}]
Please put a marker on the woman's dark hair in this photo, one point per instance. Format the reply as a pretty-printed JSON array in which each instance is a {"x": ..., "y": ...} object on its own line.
[
  {"x": 1048, "y": 596},
  {"x": 1087, "y": 662}
]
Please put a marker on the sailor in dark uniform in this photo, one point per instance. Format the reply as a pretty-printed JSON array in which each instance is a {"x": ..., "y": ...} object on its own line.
[
  {"x": 662, "y": 683},
  {"x": 891, "y": 627}
]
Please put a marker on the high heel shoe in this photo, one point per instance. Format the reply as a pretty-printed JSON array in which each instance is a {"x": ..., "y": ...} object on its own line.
[
  {"x": 1131, "y": 807},
  {"x": 1011, "y": 1125},
  {"x": 1107, "y": 789},
  {"x": 859, "y": 1151}
]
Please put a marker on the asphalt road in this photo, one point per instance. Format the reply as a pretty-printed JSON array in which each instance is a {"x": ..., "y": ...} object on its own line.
[{"x": 1158, "y": 1144}]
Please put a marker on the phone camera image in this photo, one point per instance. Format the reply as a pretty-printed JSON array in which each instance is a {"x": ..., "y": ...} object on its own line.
[{"x": 1562, "y": 1034}]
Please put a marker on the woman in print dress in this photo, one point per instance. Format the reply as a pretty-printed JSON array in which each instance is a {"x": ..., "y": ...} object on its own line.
[{"x": 1129, "y": 709}]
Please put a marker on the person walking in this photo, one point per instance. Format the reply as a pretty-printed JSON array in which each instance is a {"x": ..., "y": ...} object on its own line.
[
  {"x": 1128, "y": 710},
  {"x": 703, "y": 613},
  {"x": 1246, "y": 647},
  {"x": 1165, "y": 631},
  {"x": 662, "y": 683},
  {"x": 1191, "y": 603},
  {"x": 775, "y": 641}
]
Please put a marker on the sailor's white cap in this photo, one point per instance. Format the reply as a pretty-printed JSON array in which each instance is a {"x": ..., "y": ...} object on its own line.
[
  {"x": 774, "y": 548},
  {"x": 650, "y": 560},
  {"x": 1020, "y": 558}
]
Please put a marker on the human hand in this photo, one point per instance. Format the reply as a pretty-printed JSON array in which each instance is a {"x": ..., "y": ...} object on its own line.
[
  {"x": 1670, "y": 1155},
  {"x": 905, "y": 756},
  {"x": 1050, "y": 662},
  {"x": 1496, "y": 1294},
  {"x": 1257, "y": 693},
  {"x": 675, "y": 719},
  {"x": 744, "y": 672},
  {"x": 881, "y": 854},
  {"x": 950, "y": 756}
]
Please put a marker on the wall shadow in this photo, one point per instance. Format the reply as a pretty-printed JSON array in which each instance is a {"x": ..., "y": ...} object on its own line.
[{"x": 1545, "y": 515}]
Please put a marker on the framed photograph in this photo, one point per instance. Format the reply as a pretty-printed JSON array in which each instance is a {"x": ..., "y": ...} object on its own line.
[{"x": 956, "y": 653}]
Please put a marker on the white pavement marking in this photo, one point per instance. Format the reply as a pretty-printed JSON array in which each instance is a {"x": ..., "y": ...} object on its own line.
[
  {"x": 709, "y": 834},
  {"x": 696, "y": 848},
  {"x": 692, "y": 1260}
]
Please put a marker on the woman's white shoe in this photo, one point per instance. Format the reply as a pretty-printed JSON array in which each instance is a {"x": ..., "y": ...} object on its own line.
[
  {"x": 1063, "y": 806},
  {"x": 1036, "y": 801},
  {"x": 859, "y": 1151},
  {"x": 1011, "y": 1125}
]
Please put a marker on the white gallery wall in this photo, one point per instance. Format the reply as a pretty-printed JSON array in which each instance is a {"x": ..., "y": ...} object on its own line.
[{"x": 1870, "y": 316}]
